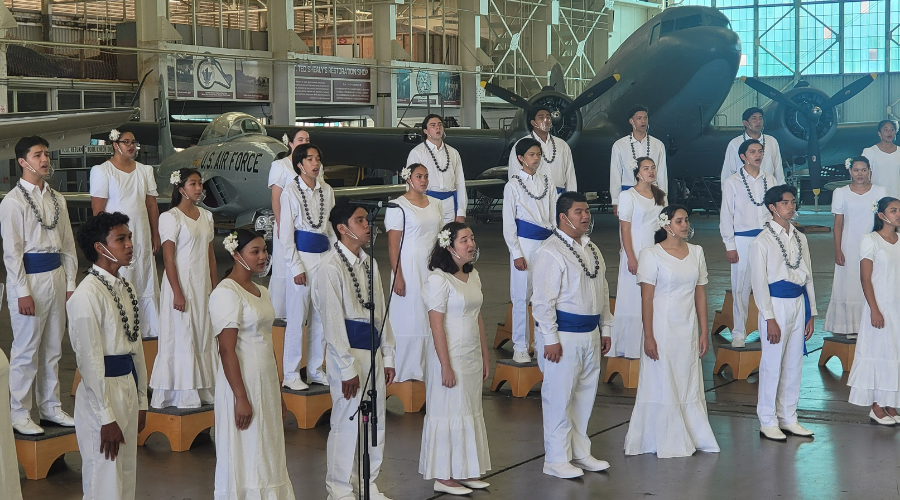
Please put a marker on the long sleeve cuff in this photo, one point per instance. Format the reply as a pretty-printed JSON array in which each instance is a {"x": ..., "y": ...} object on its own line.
[
  {"x": 729, "y": 243},
  {"x": 516, "y": 251},
  {"x": 25, "y": 291},
  {"x": 551, "y": 338},
  {"x": 605, "y": 331},
  {"x": 349, "y": 372},
  {"x": 105, "y": 415},
  {"x": 297, "y": 269},
  {"x": 389, "y": 361},
  {"x": 767, "y": 313},
  {"x": 70, "y": 285}
]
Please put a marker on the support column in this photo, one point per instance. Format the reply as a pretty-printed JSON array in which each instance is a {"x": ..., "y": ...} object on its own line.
[
  {"x": 470, "y": 12},
  {"x": 153, "y": 30},
  {"x": 7, "y": 22},
  {"x": 280, "y": 21},
  {"x": 384, "y": 35},
  {"x": 540, "y": 41}
]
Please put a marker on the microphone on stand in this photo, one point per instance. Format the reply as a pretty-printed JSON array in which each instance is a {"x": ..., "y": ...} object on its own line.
[{"x": 375, "y": 204}]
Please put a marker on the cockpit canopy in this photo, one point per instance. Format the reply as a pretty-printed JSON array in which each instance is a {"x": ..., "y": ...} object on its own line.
[
  {"x": 230, "y": 125},
  {"x": 687, "y": 17}
]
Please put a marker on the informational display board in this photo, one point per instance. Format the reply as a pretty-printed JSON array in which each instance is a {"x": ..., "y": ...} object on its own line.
[
  {"x": 316, "y": 82},
  {"x": 213, "y": 77},
  {"x": 427, "y": 81}
]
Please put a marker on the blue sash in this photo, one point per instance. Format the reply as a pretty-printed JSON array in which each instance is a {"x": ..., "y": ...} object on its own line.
[
  {"x": 560, "y": 190},
  {"x": 40, "y": 262},
  {"x": 443, "y": 195},
  {"x": 577, "y": 323},
  {"x": 310, "y": 242},
  {"x": 531, "y": 231},
  {"x": 119, "y": 365},
  {"x": 751, "y": 233},
  {"x": 359, "y": 336},
  {"x": 626, "y": 188},
  {"x": 786, "y": 290}
]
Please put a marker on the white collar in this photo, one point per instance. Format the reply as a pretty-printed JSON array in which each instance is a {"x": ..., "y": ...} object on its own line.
[
  {"x": 632, "y": 139},
  {"x": 779, "y": 229},
  {"x": 582, "y": 242},
  {"x": 432, "y": 146},
  {"x": 105, "y": 273},
  {"x": 300, "y": 182},
  {"x": 353, "y": 259},
  {"x": 760, "y": 175},
  {"x": 535, "y": 136},
  {"x": 528, "y": 177},
  {"x": 32, "y": 187}
]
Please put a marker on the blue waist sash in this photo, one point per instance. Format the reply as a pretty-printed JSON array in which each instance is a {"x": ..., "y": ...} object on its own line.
[
  {"x": 443, "y": 195},
  {"x": 626, "y": 188},
  {"x": 41, "y": 262},
  {"x": 786, "y": 290},
  {"x": 751, "y": 233},
  {"x": 359, "y": 336},
  {"x": 310, "y": 242},
  {"x": 560, "y": 190},
  {"x": 531, "y": 231},
  {"x": 119, "y": 365},
  {"x": 577, "y": 323}
]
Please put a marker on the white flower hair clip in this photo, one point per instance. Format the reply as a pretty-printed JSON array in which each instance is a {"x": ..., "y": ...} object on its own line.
[
  {"x": 662, "y": 221},
  {"x": 114, "y": 135},
  {"x": 230, "y": 242},
  {"x": 285, "y": 140},
  {"x": 634, "y": 164},
  {"x": 443, "y": 238},
  {"x": 405, "y": 173},
  {"x": 848, "y": 163},
  {"x": 875, "y": 207},
  {"x": 175, "y": 178}
]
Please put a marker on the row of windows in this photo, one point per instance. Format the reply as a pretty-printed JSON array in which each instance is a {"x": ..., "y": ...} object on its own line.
[{"x": 21, "y": 101}]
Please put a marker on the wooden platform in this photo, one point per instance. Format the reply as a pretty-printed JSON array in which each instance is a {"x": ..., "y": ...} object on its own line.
[
  {"x": 521, "y": 377},
  {"x": 151, "y": 347},
  {"x": 307, "y": 406},
  {"x": 628, "y": 369},
  {"x": 38, "y": 453},
  {"x": 724, "y": 317},
  {"x": 742, "y": 360},
  {"x": 180, "y": 425},
  {"x": 504, "y": 330},
  {"x": 411, "y": 394},
  {"x": 841, "y": 347}
]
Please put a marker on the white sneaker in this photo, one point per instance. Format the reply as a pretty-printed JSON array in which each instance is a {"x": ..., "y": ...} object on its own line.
[
  {"x": 773, "y": 433},
  {"x": 737, "y": 340},
  {"x": 797, "y": 429},
  {"x": 61, "y": 418},
  {"x": 521, "y": 357},
  {"x": 440, "y": 487},
  {"x": 564, "y": 470},
  {"x": 590, "y": 463},
  {"x": 296, "y": 385},
  {"x": 317, "y": 378},
  {"x": 27, "y": 427}
]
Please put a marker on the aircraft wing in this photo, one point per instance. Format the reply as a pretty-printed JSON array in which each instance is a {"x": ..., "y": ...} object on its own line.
[
  {"x": 83, "y": 200},
  {"x": 849, "y": 140},
  {"x": 63, "y": 129},
  {"x": 366, "y": 192}
]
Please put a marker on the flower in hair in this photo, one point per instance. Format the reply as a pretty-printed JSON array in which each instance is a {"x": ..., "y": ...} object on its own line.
[
  {"x": 875, "y": 207},
  {"x": 405, "y": 173},
  {"x": 114, "y": 135},
  {"x": 634, "y": 164},
  {"x": 285, "y": 140},
  {"x": 443, "y": 238},
  {"x": 175, "y": 178},
  {"x": 848, "y": 163},
  {"x": 662, "y": 221},
  {"x": 231, "y": 242}
]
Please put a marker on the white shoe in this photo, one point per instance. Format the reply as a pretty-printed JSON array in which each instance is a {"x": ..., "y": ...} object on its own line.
[
  {"x": 564, "y": 470},
  {"x": 317, "y": 378},
  {"x": 797, "y": 429},
  {"x": 590, "y": 463},
  {"x": 374, "y": 494},
  {"x": 475, "y": 484},
  {"x": 896, "y": 418},
  {"x": 27, "y": 427},
  {"x": 296, "y": 385},
  {"x": 737, "y": 340},
  {"x": 887, "y": 420},
  {"x": 61, "y": 418},
  {"x": 451, "y": 490},
  {"x": 773, "y": 433},
  {"x": 521, "y": 357}
]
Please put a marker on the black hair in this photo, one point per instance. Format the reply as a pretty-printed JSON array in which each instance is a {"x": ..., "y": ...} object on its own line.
[
  {"x": 26, "y": 143},
  {"x": 565, "y": 201},
  {"x": 659, "y": 196},
  {"x": 882, "y": 206},
  {"x": 862, "y": 159},
  {"x": 301, "y": 152},
  {"x": 185, "y": 173},
  {"x": 742, "y": 149},
  {"x": 883, "y": 122},
  {"x": 341, "y": 213},
  {"x": 532, "y": 115},
  {"x": 660, "y": 235},
  {"x": 750, "y": 112},
  {"x": 441, "y": 258},
  {"x": 525, "y": 144},
  {"x": 637, "y": 108},
  {"x": 292, "y": 134},
  {"x": 428, "y": 118},
  {"x": 244, "y": 237},
  {"x": 413, "y": 166},
  {"x": 776, "y": 193},
  {"x": 96, "y": 229}
]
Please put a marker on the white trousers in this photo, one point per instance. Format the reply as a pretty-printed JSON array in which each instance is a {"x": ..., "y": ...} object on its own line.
[
  {"x": 37, "y": 345},
  {"x": 781, "y": 364},
  {"x": 149, "y": 310},
  {"x": 104, "y": 479},
  {"x": 567, "y": 395},
  {"x": 342, "y": 476},
  {"x": 299, "y": 312},
  {"x": 520, "y": 293},
  {"x": 277, "y": 286},
  {"x": 449, "y": 210},
  {"x": 740, "y": 285}
]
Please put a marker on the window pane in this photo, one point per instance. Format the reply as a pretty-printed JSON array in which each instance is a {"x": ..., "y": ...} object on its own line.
[
  {"x": 94, "y": 100},
  {"x": 895, "y": 36},
  {"x": 31, "y": 101},
  {"x": 864, "y": 37},
  {"x": 776, "y": 51},
  {"x": 742, "y": 24},
  {"x": 819, "y": 47},
  {"x": 123, "y": 99},
  {"x": 68, "y": 100}
]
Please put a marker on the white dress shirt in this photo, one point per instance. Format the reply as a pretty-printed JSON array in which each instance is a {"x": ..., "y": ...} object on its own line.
[
  {"x": 96, "y": 330},
  {"x": 562, "y": 284},
  {"x": 771, "y": 163},
  {"x": 739, "y": 213},
  {"x": 22, "y": 233},
  {"x": 561, "y": 170},
  {"x": 294, "y": 216},
  {"x": 621, "y": 171},
  {"x": 453, "y": 179},
  {"x": 767, "y": 266},
  {"x": 334, "y": 296},
  {"x": 517, "y": 204}
]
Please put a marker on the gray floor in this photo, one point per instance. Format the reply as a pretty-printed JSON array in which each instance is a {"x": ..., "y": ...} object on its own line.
[{"x": 848, "y": 456}]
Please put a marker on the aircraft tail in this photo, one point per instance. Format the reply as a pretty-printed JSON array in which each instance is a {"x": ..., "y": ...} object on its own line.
[{"x": 166, "y": 149}]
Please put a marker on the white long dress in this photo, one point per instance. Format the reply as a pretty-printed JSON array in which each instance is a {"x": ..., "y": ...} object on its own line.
[
  {"x": 885, "y": 169},
  {"x": 875, "y": 375},
  {"x": 454, "y": 438},
  {"x": 408, "y": 315},
  {"x": 184, "y": 373},
  {"x": 9, "y": 465},
  {"x": 628, "y": 330},
  {"x": 250, "y": 464},
  {"x": 846, "y": 306},
  {"x": 669, "y": 416},
  {"x": 127, "y": 193}
]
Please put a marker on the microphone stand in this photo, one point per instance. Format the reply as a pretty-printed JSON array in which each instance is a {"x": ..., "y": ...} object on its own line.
[{"x": 368, "y": 406}]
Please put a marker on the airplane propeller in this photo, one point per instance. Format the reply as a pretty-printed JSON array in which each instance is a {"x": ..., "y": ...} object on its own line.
[{"x": 813, "y": 113}]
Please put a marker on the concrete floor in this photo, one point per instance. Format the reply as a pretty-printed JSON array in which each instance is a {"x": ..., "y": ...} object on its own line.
[{"x": 848, "y": 456}]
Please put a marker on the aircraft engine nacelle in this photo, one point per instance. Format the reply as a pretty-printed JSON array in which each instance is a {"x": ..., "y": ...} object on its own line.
[
  {"x": 565, "y": 126},
  {"x": 791, "y": 127}
]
